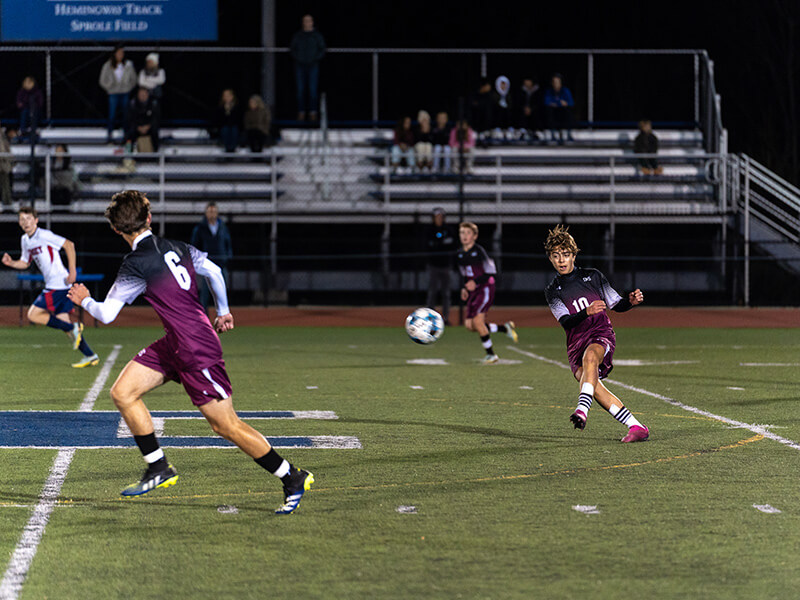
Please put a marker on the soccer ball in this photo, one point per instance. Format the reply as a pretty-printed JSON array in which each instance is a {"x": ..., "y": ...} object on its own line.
[{"x": 424, "y": 325}]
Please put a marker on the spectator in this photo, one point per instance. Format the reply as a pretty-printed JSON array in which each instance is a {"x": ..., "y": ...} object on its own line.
[
  {"x": 30, "y": 101},
  {"x": 463, "y": 135},
  {"x": 6, "y": 167},
  {"x": 117, "y": 78},
  {"x": 307, "y": 49},
  {"x": 558, "y": 105},
  {"x": 152, "y": 76},
  {"x": 211, "y": 235},
  {"x": 403, "y": 145},
  {"x": 143, "y": 120},
  {"x": 257, "y": 122},
  {"x": 441, "y": 242},
  {"x": 441, "y": 143},
  {"x": 423, "y": 136},
  {"x": 647, "y": 143},
  {"x": 528, "y": 102},
  {"x": 227, "y": 119},
  {"x": 480, "y": 108},
  {"x": 501, "y": 107},
  {"x": 63, "y": 183}
]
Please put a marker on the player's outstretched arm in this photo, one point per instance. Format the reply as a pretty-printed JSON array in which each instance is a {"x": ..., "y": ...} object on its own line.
[
  {"x": 105, "y": 312},
  {"x": 216, "y": 283},
  {"x": 14, "y": 264},
  {"x": 69, "y": 250}
]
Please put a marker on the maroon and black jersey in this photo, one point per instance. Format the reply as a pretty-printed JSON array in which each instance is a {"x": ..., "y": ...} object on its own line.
[{"x": 476, "y": 264}]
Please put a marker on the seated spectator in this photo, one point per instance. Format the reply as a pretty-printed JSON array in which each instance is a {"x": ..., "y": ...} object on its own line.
[
  {"x": 423, "y": 136},
  {"x": 257, "y": 121},
  {"x": 143, "y": 119},
  {"x": 501, "y": 108},
  {"x": 480, "y": 108},
  {"x": 528, "y": 102},
  {"x": 441, "y": 143},
  {"x": 403, "y": 145},
  {"x": 463, "y": 135},
  {"x": 647, "y": 143},
  {"x": 227, "y": 118},
  {"x": 6, "y": 166},
  {"x": 63, "y": 183},
  {"x": 30, "y": 101},
  {"x": 152, "y": 76},
  {"x": 558, "y": 105}
]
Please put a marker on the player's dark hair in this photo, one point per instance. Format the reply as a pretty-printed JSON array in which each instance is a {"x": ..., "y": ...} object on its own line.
[
  {"x": 128, "y": 211},
  {"x": 468, "y": 225},
  {"x": 559, "y": 237},
  {"x": 28, "y": 210}
]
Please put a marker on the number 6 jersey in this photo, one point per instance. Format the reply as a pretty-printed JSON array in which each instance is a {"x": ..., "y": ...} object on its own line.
[
  {"x": 570, "y": 294},
  {"x": 164, "y": 271}
]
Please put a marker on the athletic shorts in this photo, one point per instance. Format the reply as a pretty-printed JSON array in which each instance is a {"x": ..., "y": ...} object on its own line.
[
  {"x": 480, "y": 301},
  {"x": 203, "y": 386},
  {"x": 576, "y": 355},
  {"x": 54, "y": 301}
]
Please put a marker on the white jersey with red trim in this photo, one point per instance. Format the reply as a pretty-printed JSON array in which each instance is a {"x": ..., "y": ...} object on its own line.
[{"x": 43, "y": 248}]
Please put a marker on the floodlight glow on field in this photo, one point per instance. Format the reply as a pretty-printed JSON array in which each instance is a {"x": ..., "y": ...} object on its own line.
[{"x": 424, "y": 326}]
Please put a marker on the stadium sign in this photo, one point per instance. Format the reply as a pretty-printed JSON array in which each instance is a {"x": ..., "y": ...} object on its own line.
[{"x": 55, "y": 20}]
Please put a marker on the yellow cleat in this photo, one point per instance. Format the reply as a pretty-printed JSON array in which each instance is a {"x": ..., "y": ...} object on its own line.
[
  {"x": 88, "y": 361},
  {"x": 76, "y": 335},
  {"x": 511, "y": 331}
]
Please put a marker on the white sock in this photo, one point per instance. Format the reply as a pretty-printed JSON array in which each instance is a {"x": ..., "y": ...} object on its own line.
[
  {"x": 585, "y": 398},
  {"x": 283, "y": 469},
  {"x": 154, "y": 456},
  {"x": 492, "y": 327},
  {"x": 624, "y": 416}
]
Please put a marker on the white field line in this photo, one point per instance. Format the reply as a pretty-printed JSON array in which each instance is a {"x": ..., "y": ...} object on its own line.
[
  {"x": 22, "y": 558},
  {"x": 759, "y": 429}
]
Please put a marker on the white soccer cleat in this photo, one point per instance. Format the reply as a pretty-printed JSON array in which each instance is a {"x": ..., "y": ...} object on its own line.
[
  {"x": 511, "y": 331},
  {"x": 490, "y": 359}
]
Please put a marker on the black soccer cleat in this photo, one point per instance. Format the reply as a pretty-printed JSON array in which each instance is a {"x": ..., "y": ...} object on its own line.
[
  {"x": 299, "y": 483},
  {"x": 578, "y": 420},
  {"x": 153, "y": 478}
]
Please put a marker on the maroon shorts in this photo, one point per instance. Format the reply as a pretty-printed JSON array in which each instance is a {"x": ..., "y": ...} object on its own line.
[
  {"x": 203, "y": 386},
  {"x": 576, "y": 355},
  {"x": 480, "y": 301}
]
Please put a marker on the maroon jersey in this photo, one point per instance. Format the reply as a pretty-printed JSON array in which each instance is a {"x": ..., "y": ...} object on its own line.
[
  {"x": 164, "y": 271},
  {"x": 476, "y": 264}
]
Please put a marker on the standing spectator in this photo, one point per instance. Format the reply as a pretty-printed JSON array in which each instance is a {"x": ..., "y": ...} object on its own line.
[
  {"x": 423, "y": 138},
  {"x": 441, "y": 143},
  {"x": 463, "y": 134},
  {"x": 441, "y": 244},
  {"x": 257, "y": 121},
  {"x": 6, "y": 166},
  {"x": 143, "y": 119},
  {"x": 117, "y": 78},
  {"x": 307, "y": 49},
  {"x": 30, "y": 101},
  {"x": 227, "y": 119},
  {"x": 211, "y": 235},
  {"x": 647, "y": 143},
  {"x": 558, "y": 105},
  {"x": 152, "y": 76},
  {"x": 480, "y": 108},
  {"x": 501, "y": 107},
  {"x": 528, "y": 102},
  {"x": 403, "y": 145},
  {"x": 63, "y": 184}
]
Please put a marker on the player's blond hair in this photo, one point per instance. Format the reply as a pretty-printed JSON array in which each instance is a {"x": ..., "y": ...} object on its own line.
[
  {"x": 471, "y": 226},
  {"x": 560, "y": 238}
]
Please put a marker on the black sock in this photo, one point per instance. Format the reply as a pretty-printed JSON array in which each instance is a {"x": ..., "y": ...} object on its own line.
[
  {"x": 502, "y": 329},
  {"x": 486, "y": 342},
  {"x": 273, "y": 462},
  {"x": 148, "y": 446},
  {"x": 84, "y": 348},
  {"x": 59, "y": 324}
]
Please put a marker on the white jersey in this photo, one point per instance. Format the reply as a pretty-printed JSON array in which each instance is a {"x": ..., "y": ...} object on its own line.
[{"x": 43, "y": 249}]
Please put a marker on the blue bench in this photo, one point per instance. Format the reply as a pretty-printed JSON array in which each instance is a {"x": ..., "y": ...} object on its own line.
[{"x": 81, "y": 277}]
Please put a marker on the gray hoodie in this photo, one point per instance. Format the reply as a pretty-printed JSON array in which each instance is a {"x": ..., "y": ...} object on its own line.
[{"x": 108, "y": 81}]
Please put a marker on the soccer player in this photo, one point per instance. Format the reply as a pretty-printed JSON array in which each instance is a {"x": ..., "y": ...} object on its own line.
[
  {"x": 51, "y": 307},
  {"x": 578, "y": 299},
  {"x": 190, "y": 352},
  {"x": 478, "y": 271}
]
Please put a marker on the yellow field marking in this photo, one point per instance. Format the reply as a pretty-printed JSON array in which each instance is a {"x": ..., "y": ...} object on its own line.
[{"x": 250, "y": 493}]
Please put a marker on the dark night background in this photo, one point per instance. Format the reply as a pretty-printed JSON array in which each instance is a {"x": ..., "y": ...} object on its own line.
[{"x": 752, "y": 44}]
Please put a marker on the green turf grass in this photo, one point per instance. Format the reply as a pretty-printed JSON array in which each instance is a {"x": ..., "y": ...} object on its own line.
[{"x": 493, "y": 471}]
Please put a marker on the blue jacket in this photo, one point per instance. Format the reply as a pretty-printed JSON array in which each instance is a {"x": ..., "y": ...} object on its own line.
[
  {"x": 218, "y": 247},
  {"x": 551, "y": 97}
]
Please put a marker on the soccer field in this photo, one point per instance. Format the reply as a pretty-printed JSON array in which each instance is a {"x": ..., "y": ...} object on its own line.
[{"x": 457, "y": 480}]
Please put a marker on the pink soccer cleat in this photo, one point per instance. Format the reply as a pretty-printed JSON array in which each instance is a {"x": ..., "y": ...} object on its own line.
[
  {"x": 578, "y": 419},
  {"x": 636, "y": 434}
]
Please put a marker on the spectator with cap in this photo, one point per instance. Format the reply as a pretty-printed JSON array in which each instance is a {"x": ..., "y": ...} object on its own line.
[
  {"x": 211, "y": 235},
  {"x": 441, "y": 242},
  {"x": 152, "y": 76}
]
